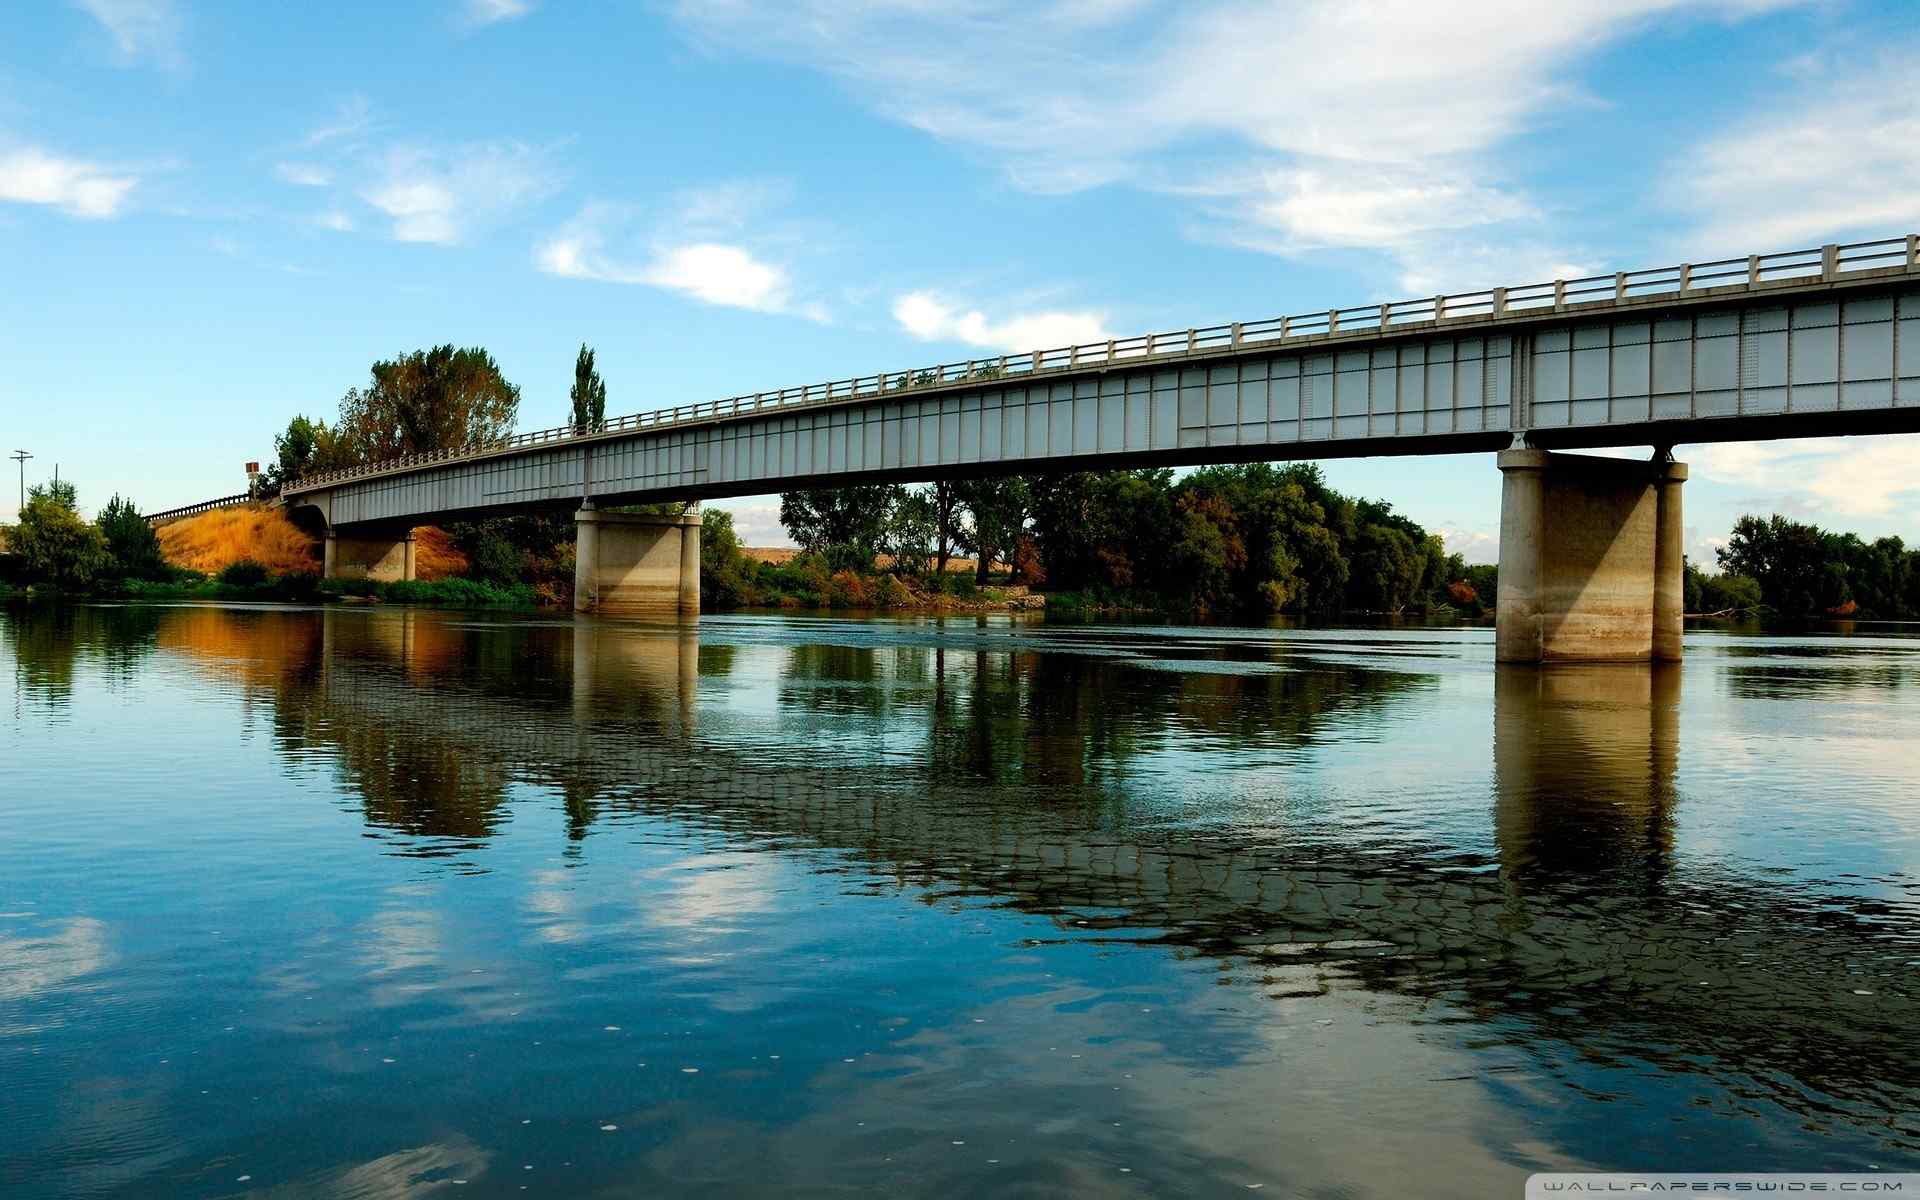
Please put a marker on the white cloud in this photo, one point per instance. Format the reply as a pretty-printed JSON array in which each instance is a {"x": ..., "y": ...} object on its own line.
[
  {"x": 719, "y": 274},
  {"x": 1343, "y": 125},
  {"x": 303, "y": 174},
  {"x": 29, "y": 175},
  {"x": 704, "y": 248},
  {"x": 492, "y": 12},
  {"x": 1474, "y": 545},
  {"x": 1834, "y": 156},
  {"x": 39, "y": 966},
  {"x": 334, "y": 220},
  {"x": 140, "y": 29},
  {"x": 930, "y": 318},
  {"x": 757, "y": 520},
  {"x": 352, "y": 119},
  {"x": 1844, "y": 477},
  {"x": 442, "y": 196}
]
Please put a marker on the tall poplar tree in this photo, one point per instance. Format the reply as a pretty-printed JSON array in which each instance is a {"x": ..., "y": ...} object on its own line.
[{"x": 589, "y": 393}]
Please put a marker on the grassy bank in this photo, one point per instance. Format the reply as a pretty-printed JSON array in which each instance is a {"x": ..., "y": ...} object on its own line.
[{"x": 302, "y": 589}]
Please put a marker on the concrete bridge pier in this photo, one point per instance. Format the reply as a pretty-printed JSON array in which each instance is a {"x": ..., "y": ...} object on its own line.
[
  {"x": 637, "y": 565},
  {"x": 1590, "y": 559},
  {"x": 388, "y": 558}
]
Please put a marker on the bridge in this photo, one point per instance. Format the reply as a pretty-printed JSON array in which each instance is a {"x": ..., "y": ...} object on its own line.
[{"x": 1814, "y": 342}]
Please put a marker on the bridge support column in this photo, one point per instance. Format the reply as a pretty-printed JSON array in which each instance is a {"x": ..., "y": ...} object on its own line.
[
  {"x": 629, "y": 564},
  {"x": 1669, "y": 564},
  {"x": 1590, "y": 559},
  {"x": 387, "y": 558}
]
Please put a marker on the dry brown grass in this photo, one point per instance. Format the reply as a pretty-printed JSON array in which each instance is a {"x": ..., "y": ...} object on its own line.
[
  {"x": 435, "y": 556},
  {"x": 779, "y": 555},
  {"x": 211, "y": 541},
  {"x": 214, "y": 540}
]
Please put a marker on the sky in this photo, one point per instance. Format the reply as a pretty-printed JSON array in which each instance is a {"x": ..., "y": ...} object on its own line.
[{"x": 215, "y": 215}]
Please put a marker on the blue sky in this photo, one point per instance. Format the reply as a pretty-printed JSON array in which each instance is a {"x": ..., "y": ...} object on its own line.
[{"x": 214, "y": 215}]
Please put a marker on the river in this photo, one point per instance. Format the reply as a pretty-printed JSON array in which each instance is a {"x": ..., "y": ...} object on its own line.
[{"x": 358, "y": 902}]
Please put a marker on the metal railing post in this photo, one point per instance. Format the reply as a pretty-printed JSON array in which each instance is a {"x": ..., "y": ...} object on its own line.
[
  {"x": 1499, "y": 301},
  {"x": 1333, "y": 321},
  {"x": 1559, "y": 294},
  {"x": 1829, "y": 260},
  {"x": 1753, "y": 270},
  {"x": 1619, "y": 286},
  {"x": 1440, "y": 307},
  {"x": 1686, "y": 277}
]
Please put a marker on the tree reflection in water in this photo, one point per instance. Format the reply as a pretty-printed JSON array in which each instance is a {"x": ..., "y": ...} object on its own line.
[{"x": 1009, "y": 762}]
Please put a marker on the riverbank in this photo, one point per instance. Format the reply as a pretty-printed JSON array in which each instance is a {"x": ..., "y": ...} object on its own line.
[{"x": 300, "y": 589}]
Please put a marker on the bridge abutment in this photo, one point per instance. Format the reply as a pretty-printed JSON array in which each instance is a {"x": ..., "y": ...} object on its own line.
[
  {"x": 385, "y": 558},
  {"x": 1590, "y": 559},
  {"x": 637, "y": 565}
]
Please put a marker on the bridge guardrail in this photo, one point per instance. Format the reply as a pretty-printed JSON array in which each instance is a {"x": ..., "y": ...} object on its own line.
[
  {"x": 194, "y": 510},
  {"x": 1559, "y": 295}
]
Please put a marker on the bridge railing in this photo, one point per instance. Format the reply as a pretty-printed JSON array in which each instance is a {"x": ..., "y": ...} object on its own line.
[
  {"x": 1558, "y": 295},
  {"x": 194, "y": 510}
]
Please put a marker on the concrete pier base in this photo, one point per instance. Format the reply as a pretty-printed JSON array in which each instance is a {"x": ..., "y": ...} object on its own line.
[
  {"x": 627, "y": 564},
  {"x": 388, "y": 558},
  {"x": 1590, "y": 559}
]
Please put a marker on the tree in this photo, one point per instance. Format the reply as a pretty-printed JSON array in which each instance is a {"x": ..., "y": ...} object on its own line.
[
  {"x": 726, "y": 573},
  {"x": 132, "y": 548},
  {"x": 997, "y": 510},
  {"x": 946, "y": 524},
  {"x": 844, "y": 525},
  {"x": 307, "y": 445},
  {"x": 1800, "y": 568},
  {"x": 439, "y": 399},
  {"x": 589, "y": 394},
  {"x": 911, "y": 532},
  {"x": 54, "y": 544}
]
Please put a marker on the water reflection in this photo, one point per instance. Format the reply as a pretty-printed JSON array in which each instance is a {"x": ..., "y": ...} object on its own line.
[
  {"x": 1513, "y": 872},
  {"x": 995, "y": 772}
]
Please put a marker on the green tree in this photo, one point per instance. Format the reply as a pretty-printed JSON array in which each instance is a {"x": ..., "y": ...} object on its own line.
[
  {"x": 306, "y": 446},
  {"x": 997, "y": 511},
  {"x": 439, "y": 399},
  {"x": 846, "y": 525},
  {"x": 132, "y": 547},
  {"x": 589, "y": 394},
  {"x": 1798, "y": 567},
  {"x": 54, "y": 544},
  {"x": 912, "y": 529},
  {"x": 726, "y": 573}
]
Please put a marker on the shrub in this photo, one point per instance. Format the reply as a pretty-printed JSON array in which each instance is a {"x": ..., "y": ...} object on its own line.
[
  {"x": 493, "y": 559},
  {"x": 847, "y": 590},
  {"x": 959, "y": 583},
  {"x": 891, "y": 593},
  {"x": 244, "y": 572}
]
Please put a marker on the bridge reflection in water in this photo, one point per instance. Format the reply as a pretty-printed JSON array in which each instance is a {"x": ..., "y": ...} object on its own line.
[{"x": 997, "y": 763}]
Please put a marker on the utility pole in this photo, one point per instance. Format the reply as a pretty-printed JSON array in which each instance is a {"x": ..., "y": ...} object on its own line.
[{"x": 21, "y": 457}]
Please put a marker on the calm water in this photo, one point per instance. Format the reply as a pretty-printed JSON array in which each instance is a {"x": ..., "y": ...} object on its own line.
[{"x": 383, "y": 903}]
